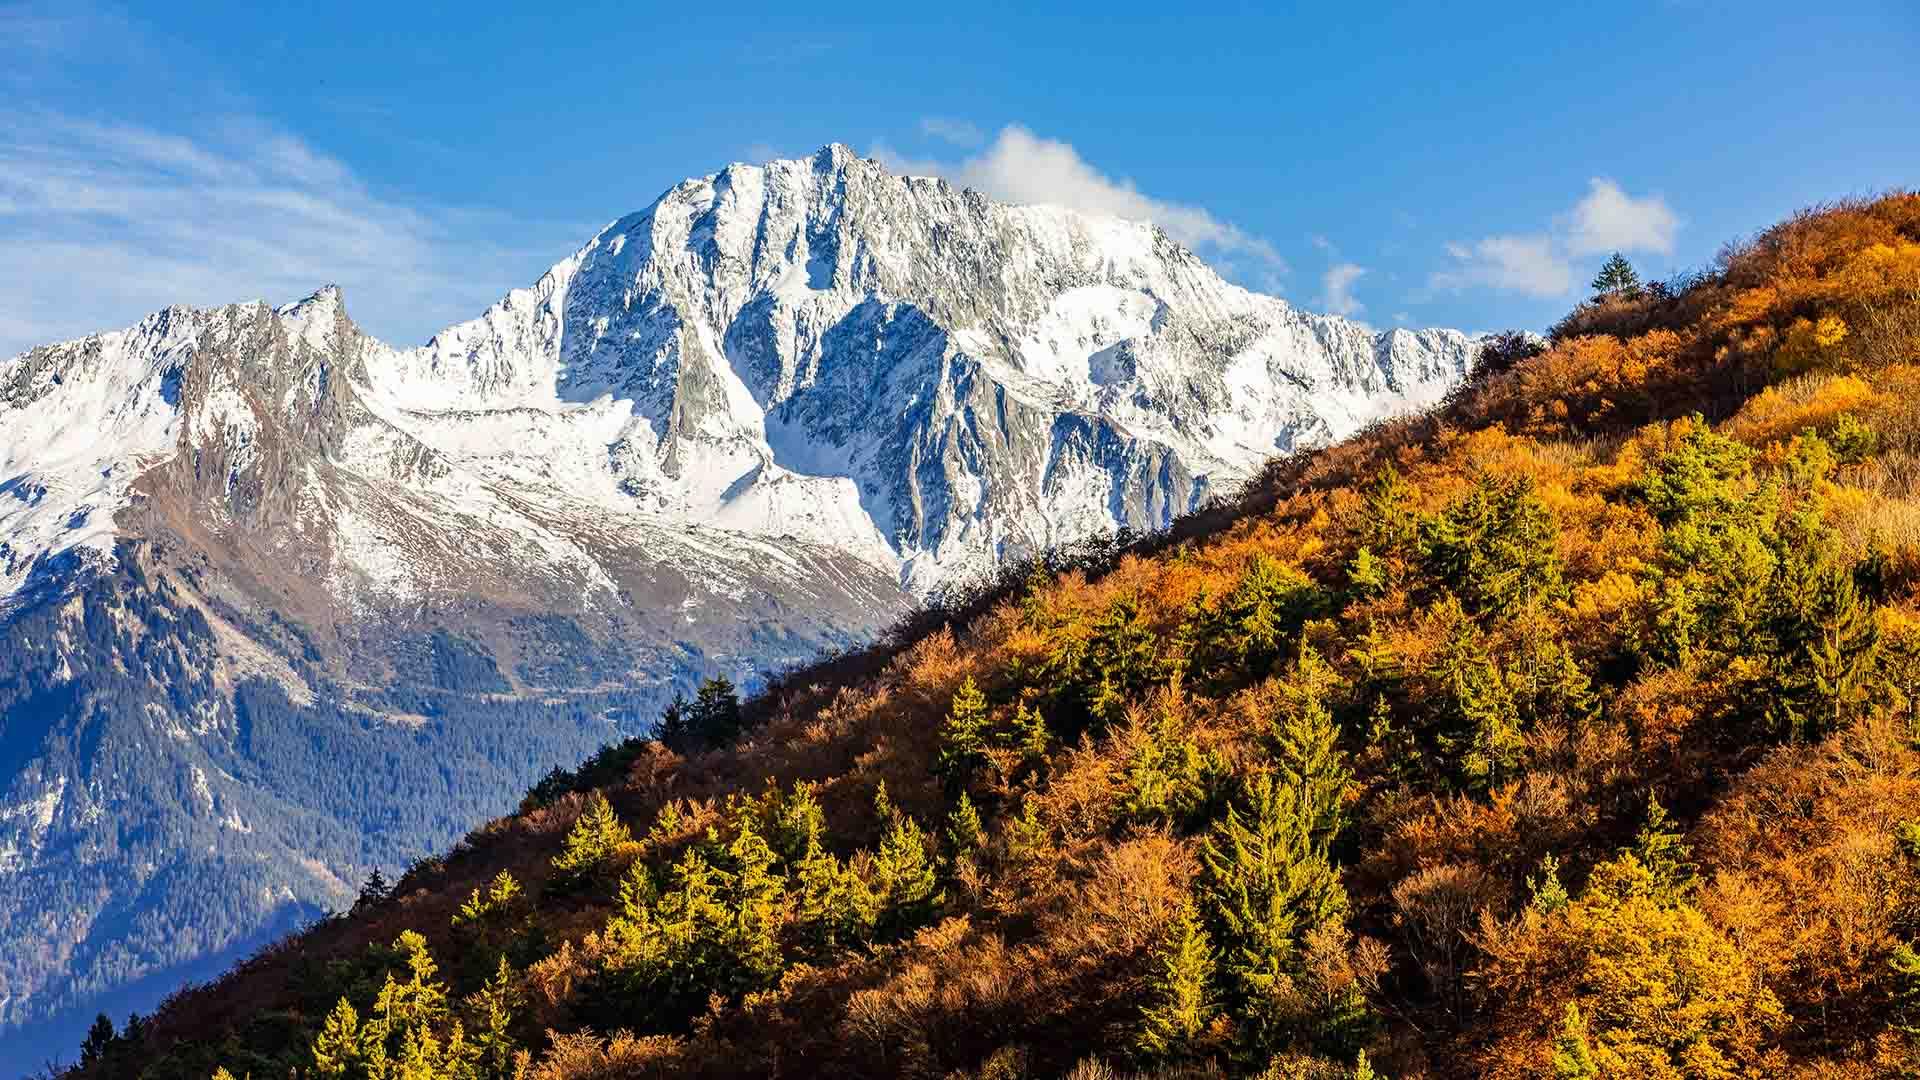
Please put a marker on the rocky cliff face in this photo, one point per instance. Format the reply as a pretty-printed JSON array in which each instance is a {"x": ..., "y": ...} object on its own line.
[
  {"x": 280, "y": 602},
  {"x": 900, "y": 368}
]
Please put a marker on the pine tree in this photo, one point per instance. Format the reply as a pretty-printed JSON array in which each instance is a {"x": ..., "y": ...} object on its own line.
[
  {"x": 1265, "y": 609},
  {"x": 594, "y": 839},
  {"x": 1548, "y": 684},
  {"x": 1828, "y": 641},
  {"x": 373, "y": 891},
  {"x": 422, "y": 999},
  {"x": 1178, "y": 1005},
  {"x": 1549, "y": 895},
  {"x": 1392, "y": 521},
  {"x": 904, "y": 879},
  {"x": 1367, "y": 574},
  {"x": 834, "y": 908},
  {"x": 497, "y": 896},
  {"x": 695, "y": 937},
  {"x": 673, "y": 729},
  {"x": 1480, "y": 725},
  {"x": 1121, "y": 659},
  {"x": 1306, "y": 745},
  {"x": 1363, "y": 1069},
  {"x": 1665, "y": 856},
  {"x": 1495, "y": 545},
  {"x": 965, "y": 834},
  {"x": 963, "y": 736},
  {"x": 98, "y": 1041},
  {"x": 798, "y": 820},
  {"x": 492, "y": 1008},
  {"x": 1028, "y": 733},
  {"x": 1572, "y": 1060},
  {"x": 1617, "y": 277},
  {"x": 1029, "y": 839},
  {"x": 1269, "y": 884},
  {"x": 336, "y": 1049},
  {"x": 714, "y": 718},
  {"x": 756, "y": 899}
]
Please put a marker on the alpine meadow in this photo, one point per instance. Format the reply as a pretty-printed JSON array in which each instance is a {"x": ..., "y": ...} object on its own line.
[{"x": 1570, "y": 729}]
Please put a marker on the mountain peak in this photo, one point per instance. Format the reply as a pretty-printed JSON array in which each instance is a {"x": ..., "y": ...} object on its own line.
[{"x": 316, "y": 317}]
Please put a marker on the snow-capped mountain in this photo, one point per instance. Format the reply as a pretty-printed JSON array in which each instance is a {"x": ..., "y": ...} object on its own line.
[
  {"x": 883, "y": 365},
  {"x": 756, "y": 418}
]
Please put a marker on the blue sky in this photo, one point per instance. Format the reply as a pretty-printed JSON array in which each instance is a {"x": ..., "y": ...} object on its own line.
[{"x": 1411, "y": 163}]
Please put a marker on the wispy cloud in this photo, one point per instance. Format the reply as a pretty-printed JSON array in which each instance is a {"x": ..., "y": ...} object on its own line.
[
  {"x": 1021, "y": 167},
  {"x": 1526, "y": 264},
  {"x": 1336, "y": 287},
  {"x": 101, "y": 223},
  {"x": 1542, "y": 264},
  {"x": 962, "y": 133}
]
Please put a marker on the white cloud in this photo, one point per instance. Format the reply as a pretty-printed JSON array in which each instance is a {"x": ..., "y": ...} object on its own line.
[
  {"x": 1542, "y": 264},
  {"x": 1530, "y": 264},
  {"x": 1021, "y": 167},
  {"x": 102, "y": 223},
  {"x": 963, "y": 133},
  {"x": 1609, "y": 219},
  {"x": 1337, "y": 289}
]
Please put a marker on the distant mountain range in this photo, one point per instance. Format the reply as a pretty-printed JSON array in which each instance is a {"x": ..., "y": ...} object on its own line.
[{"x": 280, "y": 602}]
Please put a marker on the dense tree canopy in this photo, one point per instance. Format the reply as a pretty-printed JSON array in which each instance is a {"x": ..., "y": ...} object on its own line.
[{"x": 1569, "y": 731}]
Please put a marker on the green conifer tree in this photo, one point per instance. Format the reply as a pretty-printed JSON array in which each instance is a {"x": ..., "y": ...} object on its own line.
[
  {"x": 833, "y": 909},
  {"x": 493, "y": 1009},
  {"x": 1549, "y": 895},
  {"x": 1666, "y": 857},
  {"x": 757, "y": 903},
  {"x": 93, "y": 1050},
  {"x": 963, "y": 735},
  {"x": 1617, "y": 277},
  {"x": 1028, "y": 733},
  {"x": 1392, "y": 519},
  {"x": 1306, "y": 745},
  {"x": 904, "y": 880},
  {"x": 336, "y": 1049},
  {"x": 795, "y": 820},
  {"x": 673, "y": 729},
  {"x": 965, "y": 834},
  {"x": 1367, "y": 574},
  {"x": 1120, "y": 660},
  {"x": 1905, "y": 965},
  {"x": 1495, "y": 546},
  {"x": 1263, "y": 612},
  {"x": 1827, "y": 641},
  {"x": 1029, "y": 839},
  {"x": 1480, "y": 724},
  {"x": 1179, "y": 1004},
  {"x": 696, "y": 937},
  {"x": 592, "y": 842},
  {"x": 1269, "y": 884},
  {"x": 1572, "y": 1059},
  {"x": 714, "y": 718}
]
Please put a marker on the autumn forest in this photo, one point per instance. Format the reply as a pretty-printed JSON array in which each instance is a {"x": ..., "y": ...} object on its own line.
[{"x": 1571, "y": 730}]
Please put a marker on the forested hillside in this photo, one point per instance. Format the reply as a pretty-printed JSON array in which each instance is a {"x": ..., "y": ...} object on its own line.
[{"x": 1568, "y": 731}]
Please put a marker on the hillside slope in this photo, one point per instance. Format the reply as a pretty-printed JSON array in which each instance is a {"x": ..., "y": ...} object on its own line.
[
  {"x": 281, "y": 602},
  {"x": 1569, "y": 730}
]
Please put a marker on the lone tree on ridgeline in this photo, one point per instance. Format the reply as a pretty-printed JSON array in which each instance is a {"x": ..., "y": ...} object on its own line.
[{"x": 1617, "y": 277}]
